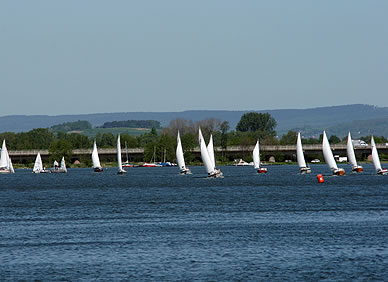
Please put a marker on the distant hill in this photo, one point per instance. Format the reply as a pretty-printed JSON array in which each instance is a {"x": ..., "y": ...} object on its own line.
[{"x": 338, "y": 119}]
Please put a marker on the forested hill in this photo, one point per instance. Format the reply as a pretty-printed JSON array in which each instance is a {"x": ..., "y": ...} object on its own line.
[{"x": 311, "y": 120}]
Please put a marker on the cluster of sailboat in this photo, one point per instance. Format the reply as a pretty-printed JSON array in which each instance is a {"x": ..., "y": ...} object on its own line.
[
  {"x": 208, "y": 159},
  {"x": 329, "y": 158},
  {"x": 39, "y": 168},
  {"x": 7, "y": 167}
]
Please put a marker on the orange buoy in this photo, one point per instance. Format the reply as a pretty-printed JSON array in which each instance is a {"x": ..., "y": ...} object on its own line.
[{"x": 320, "y": 178}]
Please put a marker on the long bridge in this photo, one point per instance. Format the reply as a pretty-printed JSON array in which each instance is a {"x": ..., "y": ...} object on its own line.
[{"x": 289, "y": 151}]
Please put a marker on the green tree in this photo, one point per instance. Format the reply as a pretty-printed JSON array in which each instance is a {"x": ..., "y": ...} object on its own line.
[
  {"x": 60, "y": 148},
  {"x": 166, "y": 147},
  {"x": 289, "y": 138},
  {"x": 79, "y": 141},
  {"x": 262, "y": 122},
  {"x": 146, "y": 138},
  {"x": 40, "y": 138},
  {"x": 311, "y": 141},
  {"x": 10, "y": 139},
  {"x": 189, "y": 142},
  {"x": 334, "y": 139},
  {"x": 106, "y": 140},
  {"x": 224, "y": 127},
  {"x": 150, "y": 151},
  {"x": 71, "y": 126},
  {"x": 378, "y": 139},
  {"x": 131, "y": 141}
]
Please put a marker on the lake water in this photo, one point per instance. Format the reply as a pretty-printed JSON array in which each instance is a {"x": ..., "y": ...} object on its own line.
[{"x": 153, "y": 224}]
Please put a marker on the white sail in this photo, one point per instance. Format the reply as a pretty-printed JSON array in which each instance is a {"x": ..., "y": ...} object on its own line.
[
  {"x": 328, "y": 154},
  {"x": 299, "y": 152},
  {"x": 375, "y": 155},
  {"x": 38, "y": 166},
  {"x": 256, "y": 155},
  {"x": 119, "y": 162},
  {"x": 210, "y": 150},
  {"x": 5, "y": 161},
  {"x": 179, "y": 154},
  {"x": 95, "y": 158},
  {"x": 63, "y": 165},
  {"x": 205, "y": 154},
  {"x": 350, "y": 152},
  {"x": 55, "y": 164},
  {"x": 4, "y": 156},
  {"x": 10, "y": 165}
]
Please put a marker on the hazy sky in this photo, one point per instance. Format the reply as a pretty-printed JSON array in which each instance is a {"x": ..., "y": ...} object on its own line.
[{"x": 65, "y": 57}]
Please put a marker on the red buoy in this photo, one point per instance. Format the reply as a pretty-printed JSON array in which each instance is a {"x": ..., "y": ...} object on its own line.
[{"x": 320, "y": 178}]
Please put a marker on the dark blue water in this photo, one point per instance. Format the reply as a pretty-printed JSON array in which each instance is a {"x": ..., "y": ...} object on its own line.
[{"x": 153, "y": 224}]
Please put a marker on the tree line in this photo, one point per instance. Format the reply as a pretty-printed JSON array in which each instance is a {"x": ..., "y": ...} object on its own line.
[
  {"x": 72, "y": 126},
  {"x": 132, "y": 124}
]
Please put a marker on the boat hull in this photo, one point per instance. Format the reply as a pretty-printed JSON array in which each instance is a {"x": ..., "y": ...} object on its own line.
[
  {"x": 59, "y": 170},
  {"x": 185, "y": 171},
  {"x": 304, "y": 170},
  {"x": 42, "y": 171},
  {"x": 216, "y": 174},
  {"x": 357, "y": 169},
  {"x": 5, "y": 171},
  {"x": 383, "y": 171},
  {"x": 262, "y": 170},
  {"x": 339, "y": 172},
  {"x": 150, "y": 165},
  {"x": 98, "y": 169}
]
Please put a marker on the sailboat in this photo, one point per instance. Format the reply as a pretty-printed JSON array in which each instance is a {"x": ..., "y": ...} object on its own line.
[
  {"x": 207, "y": 161},
  {"x": 38, "y": 166},
  {"x": 329, "y": 158},
  {"x": 256, "y": 159},
  {"x": 351, "y": 156},
  {"x": 59, "y": 169},
  {"x": 303, "y": 168},
  {"x": 119, "y": 162},
  {"x": 179, "y": 157},
  {"x": 165, "y": 163},
  {"x": 126, "y": 163},
  {"x": 63, "y": 166},
  {"x": 95, "y": 159},
  {"x": 152, "y": 163},
  {"x": 5, "y": 161},
  {"x": 376, "y": 159}
]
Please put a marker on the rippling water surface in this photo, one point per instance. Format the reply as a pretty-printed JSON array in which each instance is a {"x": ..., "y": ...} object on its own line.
[{"x": 154, "y": 224}]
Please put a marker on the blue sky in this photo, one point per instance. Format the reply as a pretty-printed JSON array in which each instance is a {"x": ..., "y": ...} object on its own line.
[{"x": 66, "y": 57}]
